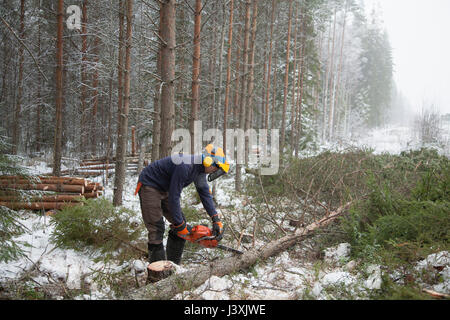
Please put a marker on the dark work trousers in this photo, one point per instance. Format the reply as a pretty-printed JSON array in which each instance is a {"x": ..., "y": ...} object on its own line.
[{"x": 154, "y": 206}]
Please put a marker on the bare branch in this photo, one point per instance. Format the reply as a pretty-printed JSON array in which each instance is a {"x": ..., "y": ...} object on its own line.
[{"x": 24, "y": 45}]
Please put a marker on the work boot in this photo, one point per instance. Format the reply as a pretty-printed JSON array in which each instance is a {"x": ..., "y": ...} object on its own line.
[
  {"x": 156, "y": 252},
  {"x": 174, "y": 248}
]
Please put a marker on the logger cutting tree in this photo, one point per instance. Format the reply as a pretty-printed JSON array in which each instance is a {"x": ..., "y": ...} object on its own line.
[
  {"x": 159, "y": 187},
  {"x": 340, "y": 189}
]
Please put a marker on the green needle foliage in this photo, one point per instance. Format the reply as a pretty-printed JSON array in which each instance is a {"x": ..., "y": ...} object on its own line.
[
  {"x": 96, "y": 225},
  {"x": 10, "y": 227},
  {"x": 399, "y": 213}
]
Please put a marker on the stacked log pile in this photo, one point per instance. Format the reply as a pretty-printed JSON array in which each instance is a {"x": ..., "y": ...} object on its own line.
[
  {"x": 51, "y": 193},
  {"x": 101, "y": 167}
]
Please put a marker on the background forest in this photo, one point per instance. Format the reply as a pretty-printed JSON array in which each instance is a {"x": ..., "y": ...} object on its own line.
[{"x": 316, "y": 70}]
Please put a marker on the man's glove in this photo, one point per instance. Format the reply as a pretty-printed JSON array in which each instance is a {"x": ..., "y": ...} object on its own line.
[
  {"x": 183, "y": 230},
  {"x": 217, "y": 227}
]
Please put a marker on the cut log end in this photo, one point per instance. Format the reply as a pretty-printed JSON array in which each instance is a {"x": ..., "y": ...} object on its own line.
[
  {"x": 69, "y": 191},
  {"x": 159, "y": 270}
]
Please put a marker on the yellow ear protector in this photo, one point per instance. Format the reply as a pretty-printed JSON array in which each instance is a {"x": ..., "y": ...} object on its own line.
[
  {"x": 208, "y": 161},
  {"x": 213, "y": 156}
]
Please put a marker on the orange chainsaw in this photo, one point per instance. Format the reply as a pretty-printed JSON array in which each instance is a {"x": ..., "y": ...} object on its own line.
[{"x": 203, "y": 236}]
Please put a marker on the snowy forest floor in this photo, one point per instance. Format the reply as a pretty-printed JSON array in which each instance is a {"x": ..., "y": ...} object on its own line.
[{"x": 305, "y": 271}]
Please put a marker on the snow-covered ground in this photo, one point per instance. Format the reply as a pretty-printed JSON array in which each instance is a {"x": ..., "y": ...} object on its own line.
[
  {"x": 286, "y": 276},
  {"x": 393, "y": 139}
]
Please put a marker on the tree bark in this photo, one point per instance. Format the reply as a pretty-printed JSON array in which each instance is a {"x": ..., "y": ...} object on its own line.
[
  {"x": 123, "y": 131},
  {"x": 120, "y": 62},
  {"x": 301, "y": 76},
  {"x": 195, "y": 71},
  {"x": 251, "y": 77},
  {"x": 244, "y": 83},
  {"x": 39, "y": 89},
  {"x": 84, "y": 84},
  {"x": 269, "y": 68},
  {"x": 298, "y": 121},
  {"x": 167, "y": 288},
  {"x": 294, "y": 84},
  {"x": 95, "y": 94},
  {"x": 227, "y": 89},
  {"x": 212, "y": 75},
  {"x": 332, "y": 80},
  {"x": 317, "y": 85},
  {"x": 156, "y": 130},
  {"x": 57, "y": 153},
  {"x": 133, "y": 141},
  {"x": 18, "y": 111},
  {"x": 286, "y": 80},
  {"x": 181, "y": 94},
  {"x": 218, "y": 103},
  {"x": 325, "y": 91},
  {"x": 167, "y": 75},
  {"x": 341, "y": 57}
]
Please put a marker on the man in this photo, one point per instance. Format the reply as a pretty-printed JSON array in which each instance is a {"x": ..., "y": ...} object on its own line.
[{"x": 160, "y": 185}]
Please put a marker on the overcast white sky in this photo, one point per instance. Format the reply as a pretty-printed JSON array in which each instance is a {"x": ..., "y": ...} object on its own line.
[{"x": 420, "y": 36}]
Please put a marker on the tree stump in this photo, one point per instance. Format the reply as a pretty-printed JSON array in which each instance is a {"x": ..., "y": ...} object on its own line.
[{"x": 159, "y": 270}]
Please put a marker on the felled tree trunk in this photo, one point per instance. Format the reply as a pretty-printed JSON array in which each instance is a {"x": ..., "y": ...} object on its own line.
[{"x": 177, "y": 283}]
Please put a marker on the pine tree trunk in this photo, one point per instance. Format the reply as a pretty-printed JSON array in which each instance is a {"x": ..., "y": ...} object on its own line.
[
  {"x": 269, "y": 68},
  {"x": 57, "y": 153},
  {"x": 84, "y": 84},
  {"x": 122, "y": 4},
  {"x": 212, "y": 74},
  {"x": 294, "y": 84},
  {"x": 262, "y": 87},
  {"x": 181, "y": 64},
  {"x": 298, "y": 122},
  {"x": 286, "y": 81},
  {"x": 18, "y": 111},
  {"x": 341, "y": 56},
  {"x": 251, "y": 77},
  {"x": 239, "y": 36},
  {"x": 109, "y": 130},
  {"x": 274, "y": 96},
  {"x": 325, "y": 91},
  {"x": 332, "y": 80},
  {"x": 156, "y": 130},
  {"x": 39, "y": 90},
  {"x": 318, "y": 81},
  {"x": 123, "y": 130},
  {"x": 218, "y": 103},
  {"x": 195, "y": 71},
  {"x": 95, "y": 99},
  {"x": 167, "y": 75},
  {"x": 227, "y": 89},
  {"x": 243, "y": 93}
]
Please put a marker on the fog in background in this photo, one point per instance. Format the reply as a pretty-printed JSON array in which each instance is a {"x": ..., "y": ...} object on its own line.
[{"x": 418, "y": 32}]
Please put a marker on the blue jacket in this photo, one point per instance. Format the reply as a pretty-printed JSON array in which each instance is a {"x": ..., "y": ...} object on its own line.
[{"x": 167, "y": 176}]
